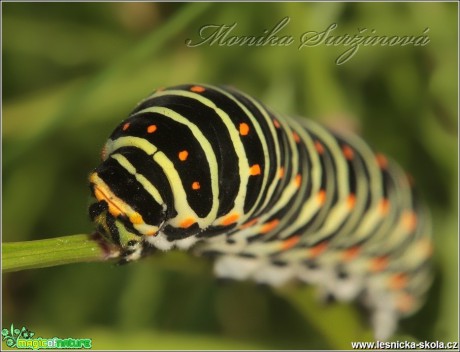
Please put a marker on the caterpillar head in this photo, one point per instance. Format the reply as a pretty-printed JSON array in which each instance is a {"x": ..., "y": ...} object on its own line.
[{"x": 124, "y": 213}]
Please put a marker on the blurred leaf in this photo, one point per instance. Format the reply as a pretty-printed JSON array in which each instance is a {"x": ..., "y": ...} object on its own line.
[{"x": 339, "y": 323}]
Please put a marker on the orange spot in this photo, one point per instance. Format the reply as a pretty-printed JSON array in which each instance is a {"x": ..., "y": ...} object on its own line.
[
  {"x": 382, "y": 161},
  {"x": 405, "y": 303},
  {"x": 319, "y": 147},
  {"x": 398, "y": 281},
  {"x": 187, "y": 223},
  {"x": 254, "y": 170},
  {"x": 136, "y": 219},
  {"x": 99, "y": 194},
  {"x": 378, "y": 263},
  {"x": 296, "y": 137},
  {"x": 196, "y": 185},
  {"x": 183, "y": 155},
  {"x": 298, "y": 180},
  {"x": 151, "y": 233},
  {"x": 281, "y": 172},
  {"x": 125, "y": 126},
  {"x": 113, "y": 208},
  {"x": 244, "y": 129},
  {"x": 351, "y": 253},
  {"x": 230, "y": 219},
  {"x": 276, "y": 123},
  {"x": 197, "y": 89},
  {"x": 151, "y": 128},
  {"x": 351, "y": 201},
  {"x": 384, "y": 206},
  {"x": 321, "y": 197},
  {"x": 290, "y": 242},
  {"x": 249, "y": 223},
  {"x": 318, "y": 249},
  {"x": 348, "y": 152},
  {"x": 267, "y": 227},
  {"x": 409, "y": 220}
]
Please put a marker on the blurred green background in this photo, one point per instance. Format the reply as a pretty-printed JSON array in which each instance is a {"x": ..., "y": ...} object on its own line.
[{"x": 73, "y": 71}]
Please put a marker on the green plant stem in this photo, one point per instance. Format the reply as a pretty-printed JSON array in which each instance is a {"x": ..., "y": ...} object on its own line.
[{"x": 79, "y": 248}]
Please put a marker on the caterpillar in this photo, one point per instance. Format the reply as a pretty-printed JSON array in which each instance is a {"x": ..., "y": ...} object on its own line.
[{"x": 272, "y": 198}]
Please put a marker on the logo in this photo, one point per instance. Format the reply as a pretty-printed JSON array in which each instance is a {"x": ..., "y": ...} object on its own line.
[{"x": 24, "y": 338}]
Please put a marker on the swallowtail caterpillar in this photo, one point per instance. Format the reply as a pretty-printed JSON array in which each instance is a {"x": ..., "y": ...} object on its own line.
[{"x": 273, "y": 198}]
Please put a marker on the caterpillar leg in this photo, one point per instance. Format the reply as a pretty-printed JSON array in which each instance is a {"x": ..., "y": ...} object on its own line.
[
  {"x": 384, "y": 322},
  {"x": 275, "y": 275},
  {"x": 132, "y": 252},
  {"x": 235, "y": 267},
  {"x": 260, "y": 270},
  {"x": 344, "y": 286},
  {"x": 136, "y": 250}
]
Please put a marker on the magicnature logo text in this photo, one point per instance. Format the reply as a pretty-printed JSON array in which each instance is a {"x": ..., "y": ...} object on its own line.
[{"x": 23, "y": 338}]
